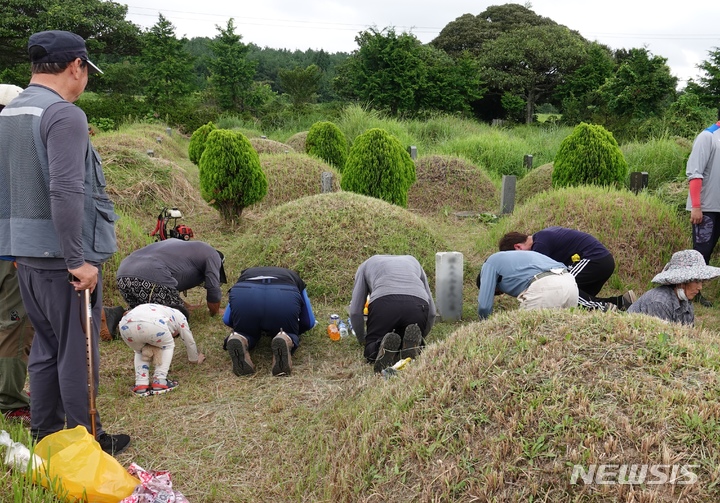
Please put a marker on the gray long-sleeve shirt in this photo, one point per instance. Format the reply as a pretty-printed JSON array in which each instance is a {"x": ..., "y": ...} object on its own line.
[
  {"x": 382, "y": 275},
  {"x": 176, "y": 263}
]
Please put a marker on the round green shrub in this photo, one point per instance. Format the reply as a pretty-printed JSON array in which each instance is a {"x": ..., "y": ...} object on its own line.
[
  {"x": 589, "y": 156},
  {"x": 197, "y": 142},
  {"x": 231, "y": 177},
  {"x": 378, "y": 166},
  {"x": 327, "y": 142}
]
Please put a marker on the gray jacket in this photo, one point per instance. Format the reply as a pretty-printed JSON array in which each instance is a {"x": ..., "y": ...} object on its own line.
[{"x": 27, "y": 228}]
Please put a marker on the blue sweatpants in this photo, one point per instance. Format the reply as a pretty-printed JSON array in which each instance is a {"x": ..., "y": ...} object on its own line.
[
  {"x": 257, "y": 307},
  {"x": 57, "y": 365}
]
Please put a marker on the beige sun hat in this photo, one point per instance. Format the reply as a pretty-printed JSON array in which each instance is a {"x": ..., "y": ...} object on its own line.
[
  {"x": 8, "y": 92},
  {"x": 685, "y": 266}
]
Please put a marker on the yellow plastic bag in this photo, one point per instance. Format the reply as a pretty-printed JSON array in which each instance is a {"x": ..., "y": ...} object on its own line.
[{"x": 77, "y": 469}]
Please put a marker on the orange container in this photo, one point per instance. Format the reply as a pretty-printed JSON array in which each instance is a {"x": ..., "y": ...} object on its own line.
[{"x": 333, "y": 332}]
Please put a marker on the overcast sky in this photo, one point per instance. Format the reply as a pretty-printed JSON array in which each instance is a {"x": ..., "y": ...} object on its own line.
[{"x": 683, "y": 32}]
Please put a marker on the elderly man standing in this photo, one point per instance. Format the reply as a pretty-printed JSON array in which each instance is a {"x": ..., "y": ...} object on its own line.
[{"x": 56, "y": 220}]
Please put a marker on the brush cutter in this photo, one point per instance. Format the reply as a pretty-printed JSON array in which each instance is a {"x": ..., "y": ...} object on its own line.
[{"x": 178, "y": 231}]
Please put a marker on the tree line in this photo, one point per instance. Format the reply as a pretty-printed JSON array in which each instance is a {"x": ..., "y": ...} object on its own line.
[{"x": 506, "y": 63}]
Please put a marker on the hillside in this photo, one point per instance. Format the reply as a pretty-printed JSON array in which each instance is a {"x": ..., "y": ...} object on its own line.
[{"x": 499, "y": 410}]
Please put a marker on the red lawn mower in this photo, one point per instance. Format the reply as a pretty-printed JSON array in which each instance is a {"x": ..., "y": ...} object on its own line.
[{"x": 178, "y": 231}]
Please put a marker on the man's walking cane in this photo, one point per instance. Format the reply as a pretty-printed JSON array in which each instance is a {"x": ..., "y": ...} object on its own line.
[{"x": 90, "y": 366}]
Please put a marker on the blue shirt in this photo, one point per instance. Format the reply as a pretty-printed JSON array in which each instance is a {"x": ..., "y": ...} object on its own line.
[{"x": 510, "y": 272}]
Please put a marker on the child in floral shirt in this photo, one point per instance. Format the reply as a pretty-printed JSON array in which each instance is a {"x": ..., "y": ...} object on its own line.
[{"x": 150, "y": 331}]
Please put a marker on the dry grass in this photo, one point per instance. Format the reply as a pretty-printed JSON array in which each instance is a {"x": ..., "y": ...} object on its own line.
[
  {"x": 265, "y": 146},
  {"x": 536, "y": 181},
  {"x": 491, "y": 411},
  {"x": 451, "y": 184},
  {"x": 297, "y": 141},
  {"x": 502, "y": 410},
  {"x": 292, "y": 176}
]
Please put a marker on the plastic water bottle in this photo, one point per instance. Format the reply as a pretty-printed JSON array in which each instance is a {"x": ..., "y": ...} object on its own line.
[{"x": 343, "y": 329}]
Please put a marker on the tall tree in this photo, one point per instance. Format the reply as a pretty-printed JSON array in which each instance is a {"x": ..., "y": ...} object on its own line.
[
  {"x": 167, "y": 66},
  {"x": 101, "y": 23},
  {"x": 531, "y": 62},
  {"x": 641, "y": 87},
  {"x": 397, "y": 73},
  {"x": 231, "y": 73},
  {"x": 301, "y": 84},
  {"x": 471, "y": 33},
  {"x": 577, "y": 93},
  {"x": 708, "y": 88},
  {"x": 452, "y": 85},
  {"x": 386, "y": 70}
]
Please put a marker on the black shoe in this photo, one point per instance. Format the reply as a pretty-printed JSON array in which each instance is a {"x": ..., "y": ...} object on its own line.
[
  {"x": 389, "y": 352},
  {"x": 113, "y": 315},
  {"x": 702, "y": 300},
  {"x": 411, "y": 342},
  {"x": 113, "y": 444}
]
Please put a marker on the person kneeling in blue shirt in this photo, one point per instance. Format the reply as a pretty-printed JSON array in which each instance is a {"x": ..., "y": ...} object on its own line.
[{"x": 535, "y": 279}]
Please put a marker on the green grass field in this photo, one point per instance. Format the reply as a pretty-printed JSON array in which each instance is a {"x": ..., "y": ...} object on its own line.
[{"x": 499, "y": 410}]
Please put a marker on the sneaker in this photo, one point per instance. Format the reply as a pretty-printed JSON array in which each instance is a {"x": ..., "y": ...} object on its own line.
[
  {"x": 237, "y": 347},
  {"x": 113, "y": 444},
  {"x": 21, "y": 415},
  {"x": 389, "y": 352},
  {"x": 113, "y": 315},
  {"x": 281, "y": 346},
  {"x": 158, "y": 388},
  {"x": 411, "y": 342},
  {"x": 608, "y": 307},
  {"x": 142, "y": 390},
  {"x": 703, "y": 301},
  {"x": 628, "y": 298}
]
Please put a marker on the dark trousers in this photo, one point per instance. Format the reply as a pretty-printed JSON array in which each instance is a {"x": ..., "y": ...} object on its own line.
[
  {"x": 591, "y": 276},
  {"x": 705, "y": 234},
  {"x": 57, "y": 365},
  {"x": 393, "y": 313}
]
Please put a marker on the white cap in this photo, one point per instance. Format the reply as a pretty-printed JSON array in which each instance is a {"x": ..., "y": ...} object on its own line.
[{"x": 8, "y": 92}]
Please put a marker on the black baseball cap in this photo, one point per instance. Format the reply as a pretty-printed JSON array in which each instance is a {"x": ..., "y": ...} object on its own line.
[{"x": 56, "y": 46}]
